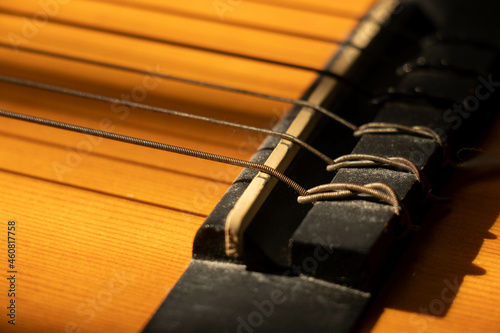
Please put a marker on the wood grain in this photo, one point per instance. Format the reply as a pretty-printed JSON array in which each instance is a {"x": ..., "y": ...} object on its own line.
[
  {"x": 101, "y": 241},
  {"x": 104, "y": 229},
  {"x": 199, "y": 33}
]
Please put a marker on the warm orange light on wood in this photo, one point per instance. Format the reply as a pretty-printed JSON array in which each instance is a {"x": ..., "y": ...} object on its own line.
[{"x": 105, "y": 229}]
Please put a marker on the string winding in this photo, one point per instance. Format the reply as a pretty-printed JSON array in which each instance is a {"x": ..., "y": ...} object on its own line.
[{"x": 334, "y": 191}]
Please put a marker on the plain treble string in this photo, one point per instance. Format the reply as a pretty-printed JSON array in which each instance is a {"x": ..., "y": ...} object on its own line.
[
  {"x": 382, "y": 128},
  {"x": 333, "y": 165},
  {"x": 298, "y": 102},
  {"x": 83, "y": 94}
]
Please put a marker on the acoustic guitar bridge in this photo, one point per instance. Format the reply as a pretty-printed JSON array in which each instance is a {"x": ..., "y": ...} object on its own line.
[{"x": 325, "y": 260}]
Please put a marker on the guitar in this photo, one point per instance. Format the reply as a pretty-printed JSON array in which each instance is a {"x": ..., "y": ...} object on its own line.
[{"x": 101, "y": 230}]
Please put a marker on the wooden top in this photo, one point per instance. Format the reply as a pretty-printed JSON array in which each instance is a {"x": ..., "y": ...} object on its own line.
[{"x": 99, "y": 245}]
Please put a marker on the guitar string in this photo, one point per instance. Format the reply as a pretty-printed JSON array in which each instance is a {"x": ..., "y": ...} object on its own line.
[
  {"x": 292, "y": 101},
  {"x": 341, "y": 78},
  {"x": 337, "y": 13},
  {"x": 338, "y": 191},
  {"x": 370, "y": 161},
  {"x": 27, "y": 49},
  {"x": 358, "y": 131},
  {"x": 89, "y": 26},
  {"x": 399, "y": 163},
  {"x": 344, "y": 161},
  {"x": 97, "y": 97},
  {"x": 242, "y": 24},
  {"x": 343, "y": 191},
  {"x": 368, "y": 128},
  {"x": 157, "y": 145},
  {"x": 366, "y": 160}
]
